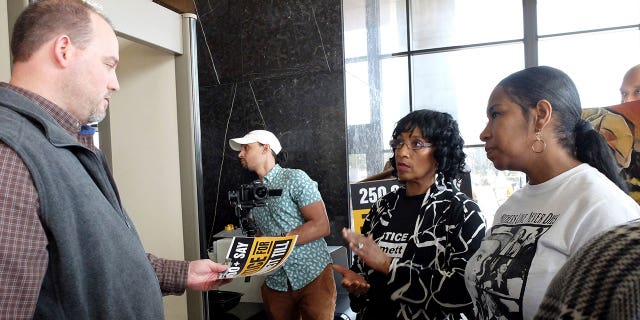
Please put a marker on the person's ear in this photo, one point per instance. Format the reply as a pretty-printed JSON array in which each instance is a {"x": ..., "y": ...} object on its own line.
[
  {"x": 542, "y": 113},
  {"x": 62, "y": 50}
]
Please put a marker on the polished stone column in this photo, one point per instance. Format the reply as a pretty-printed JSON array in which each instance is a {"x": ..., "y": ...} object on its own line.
[{"x": 275, "y": 65}]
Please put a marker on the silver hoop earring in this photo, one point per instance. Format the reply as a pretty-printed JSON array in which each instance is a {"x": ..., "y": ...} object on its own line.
[{"x": 539, "y": 145}]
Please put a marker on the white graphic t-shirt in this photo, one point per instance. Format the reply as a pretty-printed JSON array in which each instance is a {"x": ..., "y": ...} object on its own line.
[{"x": 534, "y": 233}]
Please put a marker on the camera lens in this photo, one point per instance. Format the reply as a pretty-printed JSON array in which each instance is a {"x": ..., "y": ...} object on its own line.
[{"x": 260, "y": 192}]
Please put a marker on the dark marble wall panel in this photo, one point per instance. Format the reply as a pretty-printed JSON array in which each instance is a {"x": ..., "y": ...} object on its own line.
[{"x": 274, "y": 65}]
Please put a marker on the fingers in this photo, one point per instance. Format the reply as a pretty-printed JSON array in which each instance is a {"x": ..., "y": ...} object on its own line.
[
  {"x": 351, "y": 281},
  {"x": 355, "y": 284},
  {"x": 356, "y": 287},
  {"x": 346, "y": 234},
  {"x": 217, "y": 267},
  {"x": 340, "y": 269},
  {"x": 355, "y": 241}
]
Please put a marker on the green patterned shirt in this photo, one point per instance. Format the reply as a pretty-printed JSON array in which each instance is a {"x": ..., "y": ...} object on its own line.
[{"x": 282, "y": 214}]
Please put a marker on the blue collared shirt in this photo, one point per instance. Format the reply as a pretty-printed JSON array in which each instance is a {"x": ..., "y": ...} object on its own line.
[{"x": 282, "y": 214}]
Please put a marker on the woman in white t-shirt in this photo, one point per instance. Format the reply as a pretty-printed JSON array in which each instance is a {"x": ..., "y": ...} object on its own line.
[{"x": 573, "y": 191}]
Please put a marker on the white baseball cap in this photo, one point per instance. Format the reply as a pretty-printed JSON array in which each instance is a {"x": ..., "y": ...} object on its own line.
[{"x": 261, "y": 136}]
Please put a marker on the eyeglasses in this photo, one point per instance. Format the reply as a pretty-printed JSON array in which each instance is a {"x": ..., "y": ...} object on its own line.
[{"x": 413, "y": 144}]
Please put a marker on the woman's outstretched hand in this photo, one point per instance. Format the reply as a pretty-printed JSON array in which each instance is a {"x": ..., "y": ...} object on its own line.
[{"x": 353, "y": 282}]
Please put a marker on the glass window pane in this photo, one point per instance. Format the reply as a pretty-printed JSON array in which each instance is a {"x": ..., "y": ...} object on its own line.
[
  {"x": 595, "y": 61},
  {"x": 355, "y": 28},
  {"x": 442, "y": 23},
  {"x": 573, "y": 15},
  {"x": 393, "y": 26},
  {"x": 390, "y": 34},
  {"x": 490, "y": 187},
  {"x": 357, "y": 167},
  {"x": 394, "y": 97},
  {"x": 383, "y": 107},
  {"x": 460, "y": 82},
  {"x": 357, "y": 93}
]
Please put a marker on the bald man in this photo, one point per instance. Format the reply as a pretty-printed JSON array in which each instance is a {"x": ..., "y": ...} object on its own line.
[
  {"x": 629, "y": 92},
  {"x": 630, "y": 88}
]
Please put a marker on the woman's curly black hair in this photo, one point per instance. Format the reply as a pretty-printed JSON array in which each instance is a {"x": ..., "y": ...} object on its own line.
[{"x": 441, "y": 130}]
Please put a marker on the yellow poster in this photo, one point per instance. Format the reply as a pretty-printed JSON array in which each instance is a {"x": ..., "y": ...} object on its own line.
[
  {"x": 249, "y": 256},
  {"x": 364, "y": 195}
]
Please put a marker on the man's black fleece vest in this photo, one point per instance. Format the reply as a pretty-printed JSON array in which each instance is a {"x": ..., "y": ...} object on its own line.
[{"x": 97, "y": 267}]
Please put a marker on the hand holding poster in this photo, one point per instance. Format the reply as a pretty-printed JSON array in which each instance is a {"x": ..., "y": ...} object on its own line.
[{"x": 248, "y": 256}]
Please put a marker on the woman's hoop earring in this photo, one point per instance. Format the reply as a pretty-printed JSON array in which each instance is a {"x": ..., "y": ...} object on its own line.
[{"x": 539, "y": 145}]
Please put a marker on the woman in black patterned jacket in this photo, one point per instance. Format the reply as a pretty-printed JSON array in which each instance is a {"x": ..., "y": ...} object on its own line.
[{"x": 416, "y": 240}]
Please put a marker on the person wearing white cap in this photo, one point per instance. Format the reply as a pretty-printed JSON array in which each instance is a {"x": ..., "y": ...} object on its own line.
[{"x": 304, "y": 287}]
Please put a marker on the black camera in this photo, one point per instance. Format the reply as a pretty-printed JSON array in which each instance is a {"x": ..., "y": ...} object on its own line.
[{"x": 250, "y": 195}]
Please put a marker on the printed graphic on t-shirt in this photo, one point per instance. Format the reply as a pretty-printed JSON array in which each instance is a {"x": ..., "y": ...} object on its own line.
[
  {"x": 399, "y": 225},
  {"x": 394, "y": 243},
  {"x": 502, "y": 264}
]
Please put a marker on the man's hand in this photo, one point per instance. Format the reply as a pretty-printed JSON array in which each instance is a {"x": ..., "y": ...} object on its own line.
[{"x": 203, "y": 275}]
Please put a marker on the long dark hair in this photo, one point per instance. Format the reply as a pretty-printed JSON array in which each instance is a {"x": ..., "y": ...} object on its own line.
[
  {"x": 577, "y": 136},
  {"x": 442, "y": 131}
]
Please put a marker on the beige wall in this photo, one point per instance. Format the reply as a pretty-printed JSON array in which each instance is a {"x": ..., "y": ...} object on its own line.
[
  {"x": 144, "y": 21},
  {"x": 144, "y": 152}
]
